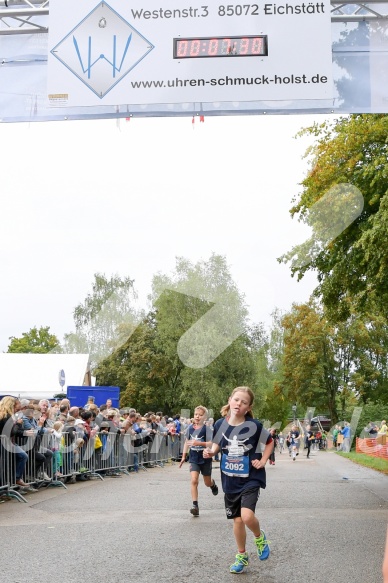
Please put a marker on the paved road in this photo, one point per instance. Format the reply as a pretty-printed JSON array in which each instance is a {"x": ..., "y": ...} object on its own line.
[{"x": 324, "y": 528}]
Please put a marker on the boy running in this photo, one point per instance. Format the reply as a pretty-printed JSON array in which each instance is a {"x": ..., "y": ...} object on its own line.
[{"x": 199, "y": 436}]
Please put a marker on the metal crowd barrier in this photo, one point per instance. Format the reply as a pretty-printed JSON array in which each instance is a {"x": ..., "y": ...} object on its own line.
[{"x": 108, "y": 456}]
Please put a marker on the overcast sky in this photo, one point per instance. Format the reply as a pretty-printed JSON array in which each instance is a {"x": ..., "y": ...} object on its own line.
[{"x": 126, "y": 198}]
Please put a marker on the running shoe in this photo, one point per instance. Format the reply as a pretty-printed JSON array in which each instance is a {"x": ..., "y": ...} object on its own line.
[
  {"x": 194, "y": 510},
  {"x": 262, "y": 545},
  {"x": 240, "y": 563},
  {"x": 214, "y": 489}
]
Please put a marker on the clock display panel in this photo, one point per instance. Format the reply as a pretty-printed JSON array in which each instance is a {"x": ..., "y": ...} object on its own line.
[{"x": 221, "y": 46}]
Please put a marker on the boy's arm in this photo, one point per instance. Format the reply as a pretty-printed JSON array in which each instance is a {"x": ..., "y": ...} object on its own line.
[
  {"x": 211, "y": 450},
  {"x": 184, "y": 453},
  {"x": 265, "y": 455}
]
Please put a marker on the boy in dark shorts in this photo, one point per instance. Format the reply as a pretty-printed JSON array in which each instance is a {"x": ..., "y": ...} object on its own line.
[{"x": 199, "y": 436}]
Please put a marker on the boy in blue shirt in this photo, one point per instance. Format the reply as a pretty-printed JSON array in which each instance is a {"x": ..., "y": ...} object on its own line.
[{"x": 199, "y": 436}]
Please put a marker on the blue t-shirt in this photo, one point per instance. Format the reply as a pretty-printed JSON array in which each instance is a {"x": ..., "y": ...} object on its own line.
[
  {"x": 203, "y": 433},
  {"x": 239, "y": 446},
  {"x": 294, "y": 437}
]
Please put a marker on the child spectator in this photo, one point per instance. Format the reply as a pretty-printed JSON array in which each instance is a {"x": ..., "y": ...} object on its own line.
[{"x": 56, "y": 438}]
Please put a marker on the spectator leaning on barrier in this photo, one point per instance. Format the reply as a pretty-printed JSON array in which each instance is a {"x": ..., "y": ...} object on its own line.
[
  {"x": 79, "y": 425},
  {"x": 41, "y": 455},
  {"x": 346, "y": 435},
  {"x": 162, "y": 419},
  {"x": 171, "y": 427},
  {"x": 87, "y": 417},
  {"x": 74, "y": 412},
  {"x": 9, "y": 430},
  {"x": 372, "y": 429},
  {"x": 56, "y": 448},
  {"x": 24, "y": 404},
  {"x": 177, "y": 421},
  {"x": 108, "y": 434},
  {"x": 383, "y": 428},
  {"x": 63, "y": 412},
  {"x": 46, "y": 423},
  {"x": 69, "y": 436},
  {"x": 54, "y": 411},
  {"x": 335, "y": 435},
  {"x": 161, "y": 428}
]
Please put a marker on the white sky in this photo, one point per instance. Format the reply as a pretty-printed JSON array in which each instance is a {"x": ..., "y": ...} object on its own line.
[{"x": 81, "y": 197}]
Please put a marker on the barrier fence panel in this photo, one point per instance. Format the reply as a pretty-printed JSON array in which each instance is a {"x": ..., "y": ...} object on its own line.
[
  {"x": 106, "y": 454},
  {"x": 375, "y": 447},
  {"x": 8, "y": 484}
]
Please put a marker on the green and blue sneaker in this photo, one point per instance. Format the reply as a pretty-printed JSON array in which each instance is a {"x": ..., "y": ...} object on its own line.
[
  {"x": 262, "y": 545},
  {"x": 240, "y": 563}
]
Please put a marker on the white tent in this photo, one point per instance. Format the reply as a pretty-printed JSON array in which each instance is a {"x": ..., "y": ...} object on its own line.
[{"x": 36, "y": 376}]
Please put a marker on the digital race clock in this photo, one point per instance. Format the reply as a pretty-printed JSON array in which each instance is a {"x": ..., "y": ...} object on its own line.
[{"x": 220, "y": 46}]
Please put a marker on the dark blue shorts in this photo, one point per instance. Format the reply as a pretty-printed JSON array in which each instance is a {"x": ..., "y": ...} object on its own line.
[{"x": 205, "y": 469}]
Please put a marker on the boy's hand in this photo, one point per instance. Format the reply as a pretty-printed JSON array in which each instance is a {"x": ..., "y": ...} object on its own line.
[{"x": 182, "y": 461}]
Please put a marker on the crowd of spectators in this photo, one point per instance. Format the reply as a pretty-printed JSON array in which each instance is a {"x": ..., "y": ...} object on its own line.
[
  {"x": 35, "y": 433},
  {"x": 376, "y": 428}
]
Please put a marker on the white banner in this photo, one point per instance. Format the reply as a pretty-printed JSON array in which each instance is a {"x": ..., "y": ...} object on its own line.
[{"x": 159, "y": 51}]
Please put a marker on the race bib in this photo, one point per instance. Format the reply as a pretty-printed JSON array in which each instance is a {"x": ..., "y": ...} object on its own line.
[{"x": 237, "y": 466}]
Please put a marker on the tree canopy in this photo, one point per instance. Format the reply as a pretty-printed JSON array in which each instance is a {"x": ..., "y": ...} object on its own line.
[
  {"x": 149, "y": 367},
  {"x": 36, "y": 341},
  {"x": 352, "y": 269},
  {"x": 103, "y": 317}
]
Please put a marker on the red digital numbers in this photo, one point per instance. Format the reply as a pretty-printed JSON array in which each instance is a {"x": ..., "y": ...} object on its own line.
[
  {"x": 242, "y": 46},
  {"x": 181, "y": 48},
  {"x": 213, "y": 47},
  {"x": 195, "y": 46},
  {"x": 257, "y": 46}
]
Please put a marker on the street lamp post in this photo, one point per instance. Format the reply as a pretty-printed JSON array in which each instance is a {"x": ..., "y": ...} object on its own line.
[{"x": 294, "y": 412}]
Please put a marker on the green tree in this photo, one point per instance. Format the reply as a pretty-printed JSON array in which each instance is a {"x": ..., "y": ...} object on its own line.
[
  {"x": 102, "y": 319},
  {"x": 139, "y": 369},
  {"x": 367, "y": 338},
  {"x": 148, "y": 366},
  {"x": 201, "y": 308},
  {"x": 334, "y": 366},
  {"x": 36, "y": 341},
  {"x": 352, "y": 270},
  {"x": 277, "y": 402},
  {"x": 311, "y": 372}
]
